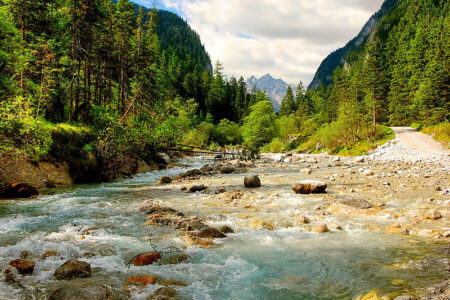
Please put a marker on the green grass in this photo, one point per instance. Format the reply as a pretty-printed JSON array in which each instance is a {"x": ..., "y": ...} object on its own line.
[
  {"x": 440, "y": 132},
  {"x": 36, "y": 138},
  {"x": 362, "y": 147}
]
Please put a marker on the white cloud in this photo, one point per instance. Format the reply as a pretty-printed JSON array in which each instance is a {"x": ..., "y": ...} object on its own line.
[{"x": 287, "y": 38}]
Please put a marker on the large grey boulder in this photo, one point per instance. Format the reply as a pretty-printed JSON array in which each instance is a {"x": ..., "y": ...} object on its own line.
[
  {"x": 82, "y": 292},
  {"x": 73, "y": 269},
  {"x": 310, "y": 187},
  {"x": 252, "y": 181}
]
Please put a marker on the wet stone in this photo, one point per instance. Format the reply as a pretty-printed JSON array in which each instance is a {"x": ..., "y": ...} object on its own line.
[
  {"x": 252, "y": 181},
  {"x": 197, "y": 188},
  {"x": 176, "y": 259},
  {"x": 23, "y": 266},
  {"x": 73, "y": 269},
  {"x": 356, "y": 203},
  {"x": 165, "y": 293},
  {"x": 84, "y": 292},
  {"x": 310, "y": 187}
]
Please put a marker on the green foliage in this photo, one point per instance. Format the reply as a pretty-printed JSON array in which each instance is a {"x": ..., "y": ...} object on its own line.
[
  {"x": 275, "y": 146},
  {"x": 440, "y": 132},
  {"x": 227, "y": 133},
  {"x": 259, "y": 126}
]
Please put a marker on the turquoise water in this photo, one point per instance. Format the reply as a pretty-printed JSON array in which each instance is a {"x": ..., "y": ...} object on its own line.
[{"x": 104, "y": 219}]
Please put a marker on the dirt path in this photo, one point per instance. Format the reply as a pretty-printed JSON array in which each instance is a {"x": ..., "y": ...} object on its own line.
[
  {"x": 418, "y": 141},
  {"x": 412, "y": 146}
]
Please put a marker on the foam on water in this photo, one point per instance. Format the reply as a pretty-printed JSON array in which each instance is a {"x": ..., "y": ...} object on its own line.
[{"x": 101, "y": 225}]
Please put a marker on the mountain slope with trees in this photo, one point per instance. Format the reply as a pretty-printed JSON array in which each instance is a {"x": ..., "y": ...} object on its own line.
[{"x": 324, "y": 74}]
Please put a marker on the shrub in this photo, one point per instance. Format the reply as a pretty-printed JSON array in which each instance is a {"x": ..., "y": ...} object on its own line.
[{"x": 259, "y": 126}]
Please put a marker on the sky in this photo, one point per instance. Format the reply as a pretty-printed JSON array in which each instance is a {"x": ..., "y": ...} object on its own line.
[{"x": 286, "y": 38}]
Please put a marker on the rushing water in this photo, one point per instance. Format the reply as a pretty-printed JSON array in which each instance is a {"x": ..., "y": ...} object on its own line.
[{"x": 104, "y": 220}]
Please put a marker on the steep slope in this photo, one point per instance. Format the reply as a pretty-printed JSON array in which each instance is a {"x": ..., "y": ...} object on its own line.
[
  {"x": 337, "y": 58},
  {"x": 275, "y": 88},
  {"x": 174, "y": 32}
]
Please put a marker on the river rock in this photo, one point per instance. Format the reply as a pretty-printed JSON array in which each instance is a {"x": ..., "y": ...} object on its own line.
[
  {"x": 321, "y": 228},
  {"x": 146, "y": 259},
  {"x": 304, "y": 220},
  {"x": 165, "y": 293},
  {"x": 24, "y": 266},
  {"x": 227, "y": 169},
  {"x": 49, "y": 253},
  {"x": 277, "y": 157},
  {"x": 310, "y": 187},
  {"x": 356, "y": 203},
  {"x": 165, "y": 180},
  {"x": 164, "y": 158},
  {"x": 19, "y": 190},
  {"x": 176, "y": 259},
  {"x": 306, "y": 171},
  {"x": 359, "y": 159},
  {"x": 197, "y": 188},
  {"x": 438, "y": 292},
  {"x": 226, "y": 229},
  {"x": 436, "y": 215},
  {"x": 210, "y": 233},
  {"x": 252, "y": 181},
  {"x": 367, "y": 173},
  {"x": 89, "y": 291},
  {"x": 72, "y": 269}
]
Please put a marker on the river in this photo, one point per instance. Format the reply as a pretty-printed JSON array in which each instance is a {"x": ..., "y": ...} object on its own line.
[{"x": 102, "y": 225}]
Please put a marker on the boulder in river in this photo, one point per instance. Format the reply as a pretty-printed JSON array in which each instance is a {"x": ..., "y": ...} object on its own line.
[
  {"x": 165, "y": 293},
  {"x": 24, "y": 266},
  {"x": 436, "y": 215},
  {"x": 310, "y": 187},
  {"x": 146, "y": 259},
  {"x": 165, "y": 180},
  {"x": 18, "y": 190},
  {"x": 321, "y": 228},
  {"x": 73, "y": 269},
  {"x": 175, "y": 259},
  {"x": 367, "y": 173},
  {"x": 210, "y": 233},
  {"x": 252, "y": 181},
  {"x": 82, "y": 292},
  {"x": 197, "y": 188},
  {"x": 226, "y": 229},
  {"x": 227, "y": 169},
  {"x": 306, "y": 171},
  {"x": 163, "y": 157}
]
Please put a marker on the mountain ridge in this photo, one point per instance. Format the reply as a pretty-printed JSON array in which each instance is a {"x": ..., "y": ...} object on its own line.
[
  {"x": 275, "y": 88},
  {"x": 338, "y": 57}
]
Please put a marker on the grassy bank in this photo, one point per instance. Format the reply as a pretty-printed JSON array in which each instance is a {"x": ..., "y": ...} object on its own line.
[{"x": 440, "y": 132}]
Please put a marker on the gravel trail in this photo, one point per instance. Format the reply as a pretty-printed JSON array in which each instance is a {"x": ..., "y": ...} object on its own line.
[{"x": 412, "y": 146}]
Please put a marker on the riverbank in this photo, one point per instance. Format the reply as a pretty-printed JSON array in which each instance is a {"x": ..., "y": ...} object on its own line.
[
  {"x": 52, "y": 172},
  {"x": 386, "y": 231}
]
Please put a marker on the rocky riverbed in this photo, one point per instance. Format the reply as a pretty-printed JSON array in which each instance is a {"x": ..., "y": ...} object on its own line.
[{"x": 380, "y": 231}]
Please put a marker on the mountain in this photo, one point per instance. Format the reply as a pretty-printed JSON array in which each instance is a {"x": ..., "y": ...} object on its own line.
[
  {"x": 275, "y": 88},
  {"x": 175, "y": 33},
  {"x": 338, "y": 58}
]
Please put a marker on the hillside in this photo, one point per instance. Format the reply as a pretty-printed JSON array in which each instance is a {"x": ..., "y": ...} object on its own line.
[
  {"x": 174, "y": 32},
  {"x": 324, "y": 73}
]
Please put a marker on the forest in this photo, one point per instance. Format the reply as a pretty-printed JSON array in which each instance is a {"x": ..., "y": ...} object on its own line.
[{"x": 100, "y": 80}]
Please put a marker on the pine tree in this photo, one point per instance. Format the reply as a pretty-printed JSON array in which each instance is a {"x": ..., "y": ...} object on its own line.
[{"x": 288, "y": 105}]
